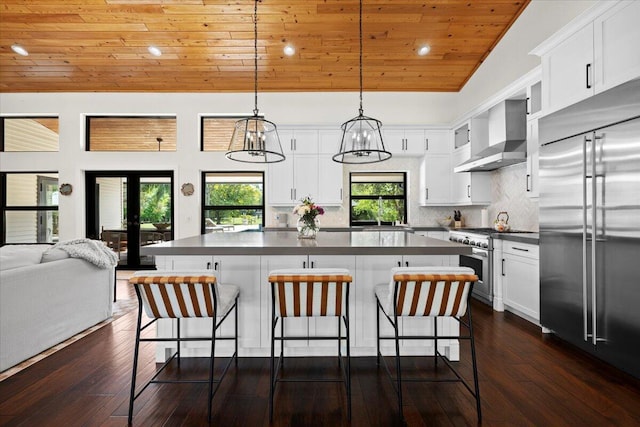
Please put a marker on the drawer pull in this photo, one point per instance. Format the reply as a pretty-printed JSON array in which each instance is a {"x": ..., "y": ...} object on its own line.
[{"x": 520, "y": 249}]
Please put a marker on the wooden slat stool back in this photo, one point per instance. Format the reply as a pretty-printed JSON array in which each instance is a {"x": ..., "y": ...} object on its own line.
[
  {"x": 180, "y": 295},
  {"x": 313, "y": 292},
  {"x": 433, "y": 292}
]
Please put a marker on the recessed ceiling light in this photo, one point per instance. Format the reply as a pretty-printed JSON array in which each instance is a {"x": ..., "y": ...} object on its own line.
[
  {"x": 19, "y": 50},
  {"x": 154, "y": 51},
  {"x": 424, "y": 49},
  {"x": 289, "y": 50}
]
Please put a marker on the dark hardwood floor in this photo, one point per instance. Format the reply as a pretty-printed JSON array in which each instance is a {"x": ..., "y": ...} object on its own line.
[{"x": 526, "y": 379}]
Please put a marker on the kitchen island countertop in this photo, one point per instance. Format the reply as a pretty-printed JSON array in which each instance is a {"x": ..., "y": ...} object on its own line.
[{"x": 326, "y": 243}]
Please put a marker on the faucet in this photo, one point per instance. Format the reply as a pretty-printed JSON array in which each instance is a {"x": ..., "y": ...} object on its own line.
[{"x": 379, "y": 209}]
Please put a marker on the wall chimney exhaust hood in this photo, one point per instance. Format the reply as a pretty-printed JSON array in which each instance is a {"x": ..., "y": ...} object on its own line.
[{"x": 507, "y": 139}]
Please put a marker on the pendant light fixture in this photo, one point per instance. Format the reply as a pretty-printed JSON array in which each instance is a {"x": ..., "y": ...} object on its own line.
[
  {"x": 254, "y": 139},
  {"x": 361, "y": 136}
]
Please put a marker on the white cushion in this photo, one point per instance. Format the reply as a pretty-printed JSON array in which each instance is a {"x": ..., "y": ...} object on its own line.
[
  {"x": 53, "y": 254},
  {"x": 14, "y": 256}
]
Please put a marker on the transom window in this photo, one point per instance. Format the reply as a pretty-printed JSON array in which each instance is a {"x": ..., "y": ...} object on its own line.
[
  {"x": 131, "y": 133},
  {"x": 216, "y": 132},
  {"x": 29, "y": 207},
  {"x": 378, "y": 197},
  {"x": 232, "y": 201},
  {"x": 29, "y": 134}
]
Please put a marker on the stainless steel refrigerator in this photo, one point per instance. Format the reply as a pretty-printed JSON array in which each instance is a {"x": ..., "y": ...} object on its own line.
[{"x": 590, "y": 225}]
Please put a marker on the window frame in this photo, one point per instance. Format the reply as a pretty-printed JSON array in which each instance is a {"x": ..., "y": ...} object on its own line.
[
  {"x": 402, "y": 197},
  {"x": 21, "y": 208},
  {"x": 87, "y": 131},
  {"x": 230, "y": 117},
  {"x": 205, "y": 207},
  {"x": 2, "y": 128}
]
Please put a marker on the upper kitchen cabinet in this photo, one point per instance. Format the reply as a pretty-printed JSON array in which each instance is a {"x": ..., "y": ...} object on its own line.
[
  {"x": 531, "y": 183},
  {"x": 297, "y": 176},
  {"x": 437, "y": 141},
  {"x": 404, "y": 142},
  {"x": 469, "y": 188},
  {"x": 299, "y": 141},
  {"x": 601, "y": 53},
  {"x": 330, "y": 173},
  {"x": 475, "y": 133},
  {"x": 436, "y": 169}
]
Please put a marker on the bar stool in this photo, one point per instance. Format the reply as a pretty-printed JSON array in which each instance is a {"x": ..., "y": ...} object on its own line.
[
  {"x": 434, "y": 292},
  {"x": 313, "y": 292},
  {"x": 176, "y": 295}
]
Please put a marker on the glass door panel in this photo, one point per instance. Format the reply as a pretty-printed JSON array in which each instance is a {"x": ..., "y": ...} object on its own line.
[{"x": 128, "y": 210}]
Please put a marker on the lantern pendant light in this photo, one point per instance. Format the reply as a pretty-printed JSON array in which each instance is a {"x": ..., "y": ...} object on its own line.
[
  {"x": 361, "y": 136},
  {"x": 254, "y": 139}
]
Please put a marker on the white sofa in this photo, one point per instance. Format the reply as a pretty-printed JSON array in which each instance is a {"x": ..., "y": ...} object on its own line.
[{"x": 46, "y": 299}]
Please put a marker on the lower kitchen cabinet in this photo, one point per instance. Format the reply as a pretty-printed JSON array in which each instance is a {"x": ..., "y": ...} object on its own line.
[
  {"x": 517, "y": 279},
  {"x": 251, "y": 273}
]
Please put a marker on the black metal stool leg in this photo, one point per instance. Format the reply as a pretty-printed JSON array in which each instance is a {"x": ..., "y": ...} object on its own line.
[
  {"x": 435, "y": 333},
  {"x": 398, "y": 372},
  {"x": 377, "y": 331},
  {"x": 135, "y": 364},
  {"x": 211, "y": 366},
  {"x": 475, "y": 366}
]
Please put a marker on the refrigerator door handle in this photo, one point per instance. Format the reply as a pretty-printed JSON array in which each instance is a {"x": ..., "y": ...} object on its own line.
[
  {"x": 585, "y": 313},
  {"x": 594, "y": 239}
]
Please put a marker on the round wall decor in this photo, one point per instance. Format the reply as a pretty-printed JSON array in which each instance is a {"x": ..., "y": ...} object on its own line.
[
  {"x": 187, "y": 189},
  {"x": 66, "y": 189}
]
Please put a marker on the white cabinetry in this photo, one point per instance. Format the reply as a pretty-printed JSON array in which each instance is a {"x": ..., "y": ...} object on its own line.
[
  {"x": 404, "y": 142},
  {"x": 517, "y": 279},
  {"x": 436, "y": 169},
  {"x": 468, "y": 188},
  {"x": 308, "y": 170},
  {"x": 597, "y": 56},
  {"x": 532, "y": 186},
  {"x": 296, "y": 176},
  {"x": 330, "y": 179},
  {"x": 472, "y": 135}
]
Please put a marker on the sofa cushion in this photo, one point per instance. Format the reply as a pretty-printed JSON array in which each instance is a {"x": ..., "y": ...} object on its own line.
[{"x": 14, "y": 256}]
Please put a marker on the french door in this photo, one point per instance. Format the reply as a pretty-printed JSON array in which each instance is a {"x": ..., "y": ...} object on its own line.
[{"x": 128, "y": 210}]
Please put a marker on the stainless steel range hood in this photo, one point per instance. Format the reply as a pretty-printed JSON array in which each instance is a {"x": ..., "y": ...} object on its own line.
[
  {"x": 507, "y": 139},
  {"x": 497, "y": 156}
]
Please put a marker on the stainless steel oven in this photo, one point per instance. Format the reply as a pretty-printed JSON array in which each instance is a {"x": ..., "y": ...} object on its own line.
[{"x": 481, "y": 261}]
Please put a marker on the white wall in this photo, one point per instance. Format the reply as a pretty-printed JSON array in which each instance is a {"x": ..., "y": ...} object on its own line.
[{"x": 510, "y": 59}]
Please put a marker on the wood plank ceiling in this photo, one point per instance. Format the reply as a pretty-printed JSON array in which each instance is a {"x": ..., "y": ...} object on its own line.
[{"x": 207, "y": 45}]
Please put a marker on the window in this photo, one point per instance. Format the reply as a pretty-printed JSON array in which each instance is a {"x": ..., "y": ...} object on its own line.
[
  {"x": 29, "y": 134},
  {"x": 232, "y": 201},
  {"x": 216, "y": 132},
  {"x": 29, "y": 207},
  {"x": 378, "y": 196},
  {"x": 131, "y": 133}
]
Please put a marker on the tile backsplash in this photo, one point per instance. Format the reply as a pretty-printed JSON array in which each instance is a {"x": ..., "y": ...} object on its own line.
[{"x": 508, "y": 193}]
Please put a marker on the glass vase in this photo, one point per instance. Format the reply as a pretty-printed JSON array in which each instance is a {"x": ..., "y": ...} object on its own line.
[{"x": 308, "y": 227}]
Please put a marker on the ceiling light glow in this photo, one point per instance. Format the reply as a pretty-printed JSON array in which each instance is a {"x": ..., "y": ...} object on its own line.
[
  {"x": 289, "y": 50},
  {"x": 19, "y": 50},
  {"x": 424, "y": 49},
  {"x": 154, "y": 51}
]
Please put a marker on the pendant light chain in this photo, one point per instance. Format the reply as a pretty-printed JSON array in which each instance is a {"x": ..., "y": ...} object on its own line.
[
  {"x": 361, "y": 57},
  {"x": 255, "y": 57}
]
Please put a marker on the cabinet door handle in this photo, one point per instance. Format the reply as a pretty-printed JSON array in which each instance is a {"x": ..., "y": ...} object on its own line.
[
  {"x": 588, "y": 69},
  {"x": 215, "y": 266},
  {"x": 341, "y": 194},
  {"x": 426, "y": 144},
  {"x": 406, "y": 263},
  {"x": 208, "y": 266},
  {"x": 426, "y": 191},
  {"x": 527, "y": 105},
  {"x": 520, "y": 249},
  {"x": 304, "y": 264},
  {"x": 469, "y": 191},
  {"x": 399, "y": 263},
  {"x": 528, "y": 179},
  {"x": 503, "y": 267},
  {"x": 469, "y": 135},
  {"x": 313, "y": 264}
]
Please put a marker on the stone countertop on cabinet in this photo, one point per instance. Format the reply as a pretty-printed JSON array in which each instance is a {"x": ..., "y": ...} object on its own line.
[
  {"x": 531, "y": 238},
  {"x": 326, "y": 243}
]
